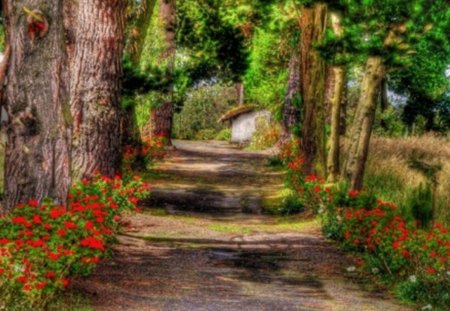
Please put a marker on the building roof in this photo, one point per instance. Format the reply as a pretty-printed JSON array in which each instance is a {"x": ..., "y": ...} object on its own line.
[{"x": 236, "y": 112}]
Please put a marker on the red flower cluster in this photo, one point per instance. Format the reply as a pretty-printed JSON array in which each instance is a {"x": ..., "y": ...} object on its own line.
[
  {"x": 152, "y": 148},
  {"x": 42, "y": 245},
  {"x": 401, "y": 246}
]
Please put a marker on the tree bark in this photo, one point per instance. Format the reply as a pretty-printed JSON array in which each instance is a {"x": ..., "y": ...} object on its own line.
[
  {"x": 292, "y": 100},
  {"x": 240, "y": 93},
  {"x": 95, "y": 86},
  {"x": 333, "y": 161},
  {"x": 312, "y": 85},
  {"x": 162, "y": 116},
  {"x": 363, "y": 121},
  {"x": 335, "y": 102},
  {"x": 37, "y": 163}
]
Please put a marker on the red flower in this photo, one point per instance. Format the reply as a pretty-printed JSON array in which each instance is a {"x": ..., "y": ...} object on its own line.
[
  {"x": 50, "y": 274},
  {"x": 89, "y": 225},
  {"x": 70, "y": 225},
  {"x": 430, "y": 270},
  {"x": 37, "y": 219},
  {"x": 347, "y": 235},
  {"x": 22, "y": 279},
  {"x": 33, "y": 203},
  {"x": 93, "y": 243},
  {"x": 353, "y": 193},
  {"x": 4, "y": 241},
  {"x": 62, "y": 232},
  {"x": 41, "y": 285},
  {"x": 53, "y": 256},
  {"x": 356, "y": 242},
  {"x": 405, "y": 253},
  {"x": 56, "y": 213},
  {"x": 19, "y": 220},
  {"x": 65, "y": 282},
  {"x": 396, "y": 244}
]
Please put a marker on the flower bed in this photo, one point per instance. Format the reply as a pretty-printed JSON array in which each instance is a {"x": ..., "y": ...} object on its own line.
[
  {"x": 394, "y": 247},
  {"x": 43, "y": 245}
]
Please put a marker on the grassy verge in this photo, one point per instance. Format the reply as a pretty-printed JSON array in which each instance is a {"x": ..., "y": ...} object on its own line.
[{"x": 389, "y": 177}]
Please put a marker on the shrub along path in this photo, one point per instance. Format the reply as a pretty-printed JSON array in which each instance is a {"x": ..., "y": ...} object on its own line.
[{"x": 223, "y": 259}]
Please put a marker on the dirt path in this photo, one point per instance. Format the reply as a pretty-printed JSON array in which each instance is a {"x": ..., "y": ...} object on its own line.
[{"x": 224, "y": 260}]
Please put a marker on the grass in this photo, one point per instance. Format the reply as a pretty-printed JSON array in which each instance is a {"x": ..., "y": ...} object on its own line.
[
  {"x": 389, "y": 176},
  {"x": 232, "y": 229},
  {"x": 68, "y": 301}
]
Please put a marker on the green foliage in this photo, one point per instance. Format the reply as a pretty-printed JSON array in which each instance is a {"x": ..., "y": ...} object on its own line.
[
  {"x": 202, "y": 110},
  {"x": 205, "y": 134},
  {"x": 291, "y": 205},
  {"x": 272, "y": 45},
  {"x": 224, "y": 135},
  {"x": 420, "y": 204},
  {"x": 215, "y": 45}
]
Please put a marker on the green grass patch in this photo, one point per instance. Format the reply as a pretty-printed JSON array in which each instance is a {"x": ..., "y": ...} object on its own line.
[{"x": 234, "y": 229}]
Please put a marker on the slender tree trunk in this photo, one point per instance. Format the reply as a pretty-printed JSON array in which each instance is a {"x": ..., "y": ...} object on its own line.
[
  {"x": 333, "y": 161},
  {"x": 95, "y": 86},
  {"x": 363, "y": 121},
  {"x": 162, "y": 116},
  {"x": 240, "y": 93},
  {"x": 344, "y": 108},
  {"x": 335, "y": 101},
  {"x": 37, "y": 163},
  {"x": 292, "y": 100},
  {"x": 312, "y": 85}
]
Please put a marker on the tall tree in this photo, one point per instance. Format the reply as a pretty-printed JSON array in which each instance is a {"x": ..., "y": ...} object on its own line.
[
  {"x": 312, "y": 85},
  {"x": 95, "y": 86},
  {"x": 388, "y": 32},
  {"x": 292, "y": 100},
  {"x": 37, "y": 161},
  {"x": 336, "y": 74},
  {"x": 162, "y": 115},
  {"x": 361, "y": 131}
]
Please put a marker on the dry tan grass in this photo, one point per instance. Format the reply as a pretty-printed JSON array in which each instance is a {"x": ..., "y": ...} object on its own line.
[{"x": 390, "y": 155}]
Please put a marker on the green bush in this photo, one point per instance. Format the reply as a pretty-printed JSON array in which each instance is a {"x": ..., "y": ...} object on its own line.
[
  {"x": 420, "y": 205},
  {"x": 224, "y": 135},
  {"x": 202, "y": 110},
  {"x": 291, "y": 205}
]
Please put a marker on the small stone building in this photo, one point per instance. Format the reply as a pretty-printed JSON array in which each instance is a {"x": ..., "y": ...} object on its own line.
[{"x": 244, "y": 120}]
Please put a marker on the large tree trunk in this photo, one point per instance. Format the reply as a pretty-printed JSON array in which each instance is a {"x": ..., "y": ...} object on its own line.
[
  {"x": 37, "y": 163},
  {"x": 292, "y": 100},
  {"x": 363, "y": 121},
  {"x": 312, "y": 84},
  {"x": 95, "y": 86},
  {"x": 335, "y": 101},
  {"x": 162, "y": 116}
]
